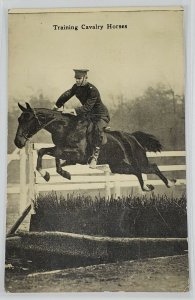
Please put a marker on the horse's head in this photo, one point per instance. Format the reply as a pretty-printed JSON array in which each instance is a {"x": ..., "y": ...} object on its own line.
[{"x": 27, "y": 127}]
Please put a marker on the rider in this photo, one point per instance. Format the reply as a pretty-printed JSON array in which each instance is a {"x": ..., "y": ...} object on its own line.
[{"x": 92, "y": 104}]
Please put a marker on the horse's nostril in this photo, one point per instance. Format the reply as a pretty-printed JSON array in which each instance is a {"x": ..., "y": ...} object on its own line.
[{"x": 18, "y": 144}]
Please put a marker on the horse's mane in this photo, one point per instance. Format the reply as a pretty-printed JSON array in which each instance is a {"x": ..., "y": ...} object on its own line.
[
  {"x": 60, "y": 116},
  {"x": 56, "y": 114}
]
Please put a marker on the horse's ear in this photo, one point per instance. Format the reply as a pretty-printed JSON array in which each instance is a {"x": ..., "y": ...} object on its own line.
[
  {"x": 28, "y": 106},
  {"x": 21, "y": 107}
]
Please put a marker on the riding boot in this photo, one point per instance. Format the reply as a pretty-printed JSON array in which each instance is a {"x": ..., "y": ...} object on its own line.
[{"x": 94, "y": 158}]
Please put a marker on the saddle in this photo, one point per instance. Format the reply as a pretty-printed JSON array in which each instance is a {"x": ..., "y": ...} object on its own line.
[{"x": 90, "y": 134}]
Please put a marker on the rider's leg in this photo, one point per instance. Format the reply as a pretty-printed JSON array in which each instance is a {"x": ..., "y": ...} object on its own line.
[{"x": 99, "y": 133}]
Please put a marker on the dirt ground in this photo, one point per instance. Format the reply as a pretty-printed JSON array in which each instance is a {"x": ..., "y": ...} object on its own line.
[{"x": 165, "y": 274}]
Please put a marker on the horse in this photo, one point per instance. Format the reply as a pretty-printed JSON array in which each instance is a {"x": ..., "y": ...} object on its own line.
[{"x": 125, "y": 153}]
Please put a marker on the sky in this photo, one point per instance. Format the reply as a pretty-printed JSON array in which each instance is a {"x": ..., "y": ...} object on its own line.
[{"x": 121, "y": 61}]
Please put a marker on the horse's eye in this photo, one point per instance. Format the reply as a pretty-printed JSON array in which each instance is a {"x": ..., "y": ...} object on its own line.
[{"x": 26, "y": 116}]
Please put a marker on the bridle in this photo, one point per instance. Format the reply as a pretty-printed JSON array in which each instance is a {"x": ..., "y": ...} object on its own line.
[{"x": 41, "y": 126}]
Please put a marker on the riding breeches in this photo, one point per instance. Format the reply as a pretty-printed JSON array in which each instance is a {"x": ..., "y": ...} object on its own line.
[{"x": 99, "y": 134}]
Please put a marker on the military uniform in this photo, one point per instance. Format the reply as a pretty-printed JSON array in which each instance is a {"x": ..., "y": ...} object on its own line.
[
  {"x": 92, "y": 104},
  {"x": 90, "y": 99}
]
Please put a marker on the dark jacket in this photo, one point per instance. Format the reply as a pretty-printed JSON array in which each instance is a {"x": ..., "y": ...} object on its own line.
[{"x": 90, "y": 99}]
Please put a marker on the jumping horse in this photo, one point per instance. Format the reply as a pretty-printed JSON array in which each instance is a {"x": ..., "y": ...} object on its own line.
[{"x": 125, "y": 153}]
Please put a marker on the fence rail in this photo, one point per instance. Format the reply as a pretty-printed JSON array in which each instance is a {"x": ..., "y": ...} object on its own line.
[{"x": 83, "y": 178}]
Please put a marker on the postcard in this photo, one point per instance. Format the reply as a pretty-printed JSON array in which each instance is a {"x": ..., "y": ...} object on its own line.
[{"x": 96, "y": 188}]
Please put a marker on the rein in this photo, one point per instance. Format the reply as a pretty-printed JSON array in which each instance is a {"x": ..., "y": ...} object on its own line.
[{"x": 41, "y": 125}]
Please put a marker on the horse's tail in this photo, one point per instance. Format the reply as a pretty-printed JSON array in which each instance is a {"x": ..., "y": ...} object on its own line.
[{"x": 148, "y": 141}]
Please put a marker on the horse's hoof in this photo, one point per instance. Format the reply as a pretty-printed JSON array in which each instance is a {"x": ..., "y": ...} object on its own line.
[
  {"x": 171, "y": 182},
  {"x": 67, "y": 176},
  {"x": 148, "y": 188},
  {"x": 46, "y": 176}
]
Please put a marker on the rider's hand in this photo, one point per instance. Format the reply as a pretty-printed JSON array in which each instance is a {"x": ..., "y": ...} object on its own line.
[
  {"x": 69, "y": 111},
  {"x": 55, "y": 107}
]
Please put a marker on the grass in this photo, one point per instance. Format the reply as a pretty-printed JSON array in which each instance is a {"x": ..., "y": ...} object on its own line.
[{"x": 156, "y": 216}]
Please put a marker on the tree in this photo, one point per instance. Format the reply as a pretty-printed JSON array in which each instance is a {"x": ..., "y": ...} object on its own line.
[{"x": 158, "y": 111}]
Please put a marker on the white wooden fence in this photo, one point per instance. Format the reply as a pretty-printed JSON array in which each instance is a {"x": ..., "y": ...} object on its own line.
[{"x": 83, "y": 178}]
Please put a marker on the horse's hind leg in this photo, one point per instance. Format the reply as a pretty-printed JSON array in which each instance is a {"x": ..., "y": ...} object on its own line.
[
  {"x": 41, "y": 152},
  {"x": 153, "y": 169},
  {"x": 133, "y": 169},
  {"x": 60, "y": 171},
  {"x": 145, "y": 188}
]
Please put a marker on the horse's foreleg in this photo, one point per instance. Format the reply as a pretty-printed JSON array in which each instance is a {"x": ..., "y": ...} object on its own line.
[
  {"x": 60, "y": 171},
  {"x": 41, "y": 152}
]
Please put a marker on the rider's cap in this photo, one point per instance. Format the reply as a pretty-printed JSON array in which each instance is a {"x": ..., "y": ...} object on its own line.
[{"x": 80, "y": 73}]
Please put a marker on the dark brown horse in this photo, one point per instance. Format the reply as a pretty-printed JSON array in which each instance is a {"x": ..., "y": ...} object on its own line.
[{"x": 125, "y": 153}]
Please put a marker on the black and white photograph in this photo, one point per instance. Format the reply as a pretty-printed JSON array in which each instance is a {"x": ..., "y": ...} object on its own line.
[{"x": 96, "y": 173}]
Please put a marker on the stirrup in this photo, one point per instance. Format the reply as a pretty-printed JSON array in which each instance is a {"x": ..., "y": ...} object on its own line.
[
  {"x": 93, "y": 159},
  {"x": 107, "y": 129},
  {"x": 93, "y": 163}
]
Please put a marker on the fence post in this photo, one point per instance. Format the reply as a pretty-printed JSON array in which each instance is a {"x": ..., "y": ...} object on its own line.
[
  {"x": 117, "y": 190},
  {"x": 23, "y": 188},
  {"x": 32, "y": 189},
  {"x": 107, "y": 183}
]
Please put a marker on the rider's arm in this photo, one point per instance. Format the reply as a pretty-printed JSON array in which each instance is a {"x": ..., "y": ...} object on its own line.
[
  {"x": 65, "y": 97},
  {"x": 90, "y": 102}
]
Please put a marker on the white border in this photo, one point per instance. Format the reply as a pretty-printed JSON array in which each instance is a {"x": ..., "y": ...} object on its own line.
[{"x": 189, "y": 7}]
